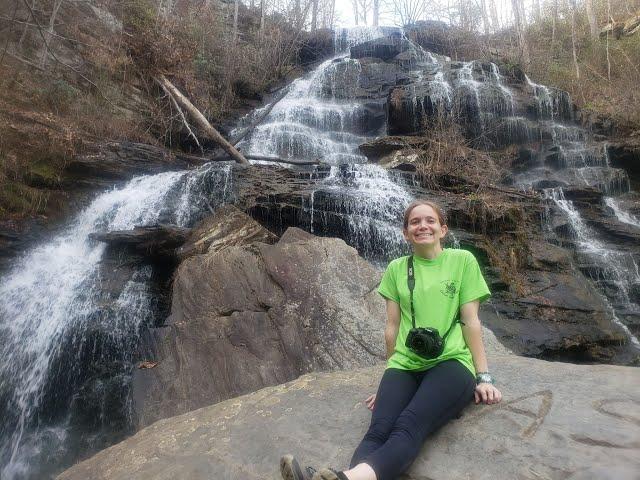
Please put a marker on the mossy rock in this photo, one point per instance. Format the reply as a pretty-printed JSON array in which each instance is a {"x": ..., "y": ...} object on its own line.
[{"x": 43, "y": 174}]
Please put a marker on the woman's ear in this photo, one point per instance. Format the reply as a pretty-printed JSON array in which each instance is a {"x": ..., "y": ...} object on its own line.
[
  {"x": 444, "y": 230},
  {"x": 405, "y": 234}
]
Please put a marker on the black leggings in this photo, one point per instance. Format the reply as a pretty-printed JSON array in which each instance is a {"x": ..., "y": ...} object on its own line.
[{"x": 409, "y": 406}]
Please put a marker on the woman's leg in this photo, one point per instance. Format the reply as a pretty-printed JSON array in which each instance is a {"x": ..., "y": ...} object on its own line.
[
  {"x": 397, "y": 388},
  {"x": 444, "y": 391}
]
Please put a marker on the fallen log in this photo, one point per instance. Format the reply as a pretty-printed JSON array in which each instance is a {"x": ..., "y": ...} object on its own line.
[
  {"x": 283, "y": 160},
  {"x": 200, "y": 120}
]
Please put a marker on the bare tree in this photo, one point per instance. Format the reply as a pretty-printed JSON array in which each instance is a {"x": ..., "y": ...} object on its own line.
[
  {"x": 593, "y": 23},
  {"x": 485, "y": 16},
  {"x": 608, "y": 57},
  {"x": 49, "y": 34},
  {"x": 314, "y": 15},
  {"x": 573, "y": 38},
  {"x": 376, "y": 13},
  {"x": 494, "y": 15},
  {"x": 408, "y": 11},
  {"x": 554, "y": 19},
  {"x": 364, "y": 8},
  {"x": 356, "y": 15},
  {"x": 518, "y": 14},
  {"x": 235, "y": 20},
  {"x": 537, "y": 10}
]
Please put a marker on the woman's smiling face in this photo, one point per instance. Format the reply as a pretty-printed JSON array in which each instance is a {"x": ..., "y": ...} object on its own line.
[{"x": 424, "y": 227}]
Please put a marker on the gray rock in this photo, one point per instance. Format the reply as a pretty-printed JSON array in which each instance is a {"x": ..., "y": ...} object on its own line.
[
  {"x": 155, "y": 241},
  {"x": 379, "y": 147},
  {"x": 626, "y": 155},
  {"x": 556, "y": 421},
  {"x": 228, "y": 226},
  {"x": 385, "y": 48},
  {"x": 118, "y": 161},
  {"x": 247, "y": 317}
]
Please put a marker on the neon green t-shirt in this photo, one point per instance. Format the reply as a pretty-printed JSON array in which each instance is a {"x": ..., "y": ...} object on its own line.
[{"x": 442, "y": 285}]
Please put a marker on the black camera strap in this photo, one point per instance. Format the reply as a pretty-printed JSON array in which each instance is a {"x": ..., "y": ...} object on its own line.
[{"x": 411, "y": 282}]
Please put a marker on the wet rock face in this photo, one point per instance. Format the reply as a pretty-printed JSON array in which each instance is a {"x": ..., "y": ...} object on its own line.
[
  {"x": 554, "y": 417},
  {"x": 262, "y": 314},
  {"x": 627, "y": 156},
  {"x": 118, "y": 161}
]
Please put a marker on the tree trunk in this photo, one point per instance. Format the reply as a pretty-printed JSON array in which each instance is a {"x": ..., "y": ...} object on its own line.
[
  {"x": 261, "y": 17},
  {"x": 314, "y": 15},
  {"x": 537, "y": 10},
  {"x": 26, "y": 28},
  {"x": 47, "y": 43},
  {"x": 235, "y": 20},
  {"x": 485, "y": 17},
  {"x": 593, "y": 23},
  {"x": 518, "y": 13},
  {"x": 573, "y": 38},
  {"x": 376, "y": 12},
  {"x": 200, "y": 120},
  {"x": 608, "y": 57},
  {"x": 494, "y": 15},
  {"x": 355, "y": 11},
  {"x": 554, "y": 19}
]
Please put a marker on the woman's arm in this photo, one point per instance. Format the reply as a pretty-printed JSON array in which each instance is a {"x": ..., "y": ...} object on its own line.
[
  {"x": 392, "y": 326},
  {"x": 472, "y": 332}
]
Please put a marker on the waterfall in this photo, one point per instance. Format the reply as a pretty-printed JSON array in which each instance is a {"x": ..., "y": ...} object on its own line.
[
  {"x": 620, "y": 214},
  {"x": 616, "y": 266},
  {"x": 57, "y": 322},
  {"x": 68, "y": 343},
  {"x": 321, "y": 117}
]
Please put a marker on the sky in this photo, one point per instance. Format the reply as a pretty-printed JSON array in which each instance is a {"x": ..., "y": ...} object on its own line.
[{"x": 344, "y": 13}]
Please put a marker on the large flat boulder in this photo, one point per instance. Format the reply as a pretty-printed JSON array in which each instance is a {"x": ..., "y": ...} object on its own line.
[
  {"x": 557, "y": 420},
  {"x": 250, "y": 316}
]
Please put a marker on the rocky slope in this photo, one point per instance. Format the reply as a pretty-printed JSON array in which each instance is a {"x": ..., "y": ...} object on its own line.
[{"x": 565, "y": 421}]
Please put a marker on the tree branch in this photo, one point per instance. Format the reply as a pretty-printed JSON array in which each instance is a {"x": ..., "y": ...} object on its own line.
[
  {"x": 200, "y": 120},
  {"x": 184, "y": 120}
]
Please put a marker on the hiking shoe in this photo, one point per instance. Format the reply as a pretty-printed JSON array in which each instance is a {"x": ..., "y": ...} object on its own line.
[
  {"x": 290, "y": 469},
  {"x": 329, "y": 474}
]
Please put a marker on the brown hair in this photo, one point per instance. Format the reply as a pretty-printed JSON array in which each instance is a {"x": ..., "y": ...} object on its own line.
[{"x": 441, "y": 216}]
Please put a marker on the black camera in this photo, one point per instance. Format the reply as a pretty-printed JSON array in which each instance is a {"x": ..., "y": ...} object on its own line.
[{"x": 425, "y": 342}]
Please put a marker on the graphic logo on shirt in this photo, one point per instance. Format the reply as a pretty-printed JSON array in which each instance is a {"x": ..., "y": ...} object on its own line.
[{"x": 448, "y": 288}]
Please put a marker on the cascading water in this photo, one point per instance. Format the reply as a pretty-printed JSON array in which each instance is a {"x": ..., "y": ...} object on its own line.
[
  {"x": 321, "y": 118},
  {"x": 622, "y": 215},
  {"x": 617, "y": 267},
  {"x": 61, "y": 330}
]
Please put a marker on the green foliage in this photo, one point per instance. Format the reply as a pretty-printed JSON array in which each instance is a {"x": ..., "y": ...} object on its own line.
[{"x": 139, "y": 15}]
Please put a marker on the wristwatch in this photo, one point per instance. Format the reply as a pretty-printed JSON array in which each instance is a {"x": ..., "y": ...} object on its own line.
[{"x": 484, "y": 377}]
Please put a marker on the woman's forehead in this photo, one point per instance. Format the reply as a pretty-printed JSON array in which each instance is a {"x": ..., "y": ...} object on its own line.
[{"x": 423, "y": 211}]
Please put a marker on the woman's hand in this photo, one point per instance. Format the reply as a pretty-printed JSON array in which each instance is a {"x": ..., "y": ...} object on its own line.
[
  {"x": 487, "y": 393},
  {"x": 370, "y": 401}
]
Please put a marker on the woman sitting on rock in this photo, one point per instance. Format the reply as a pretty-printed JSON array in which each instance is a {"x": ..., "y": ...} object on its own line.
[{"x": 436, "y": 358}]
